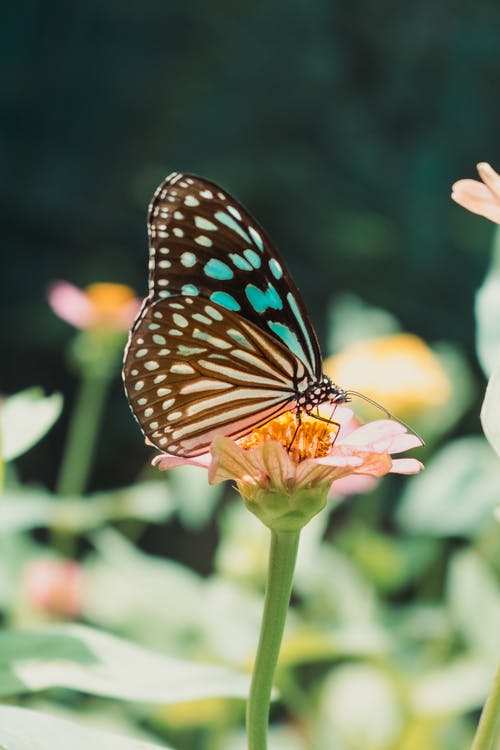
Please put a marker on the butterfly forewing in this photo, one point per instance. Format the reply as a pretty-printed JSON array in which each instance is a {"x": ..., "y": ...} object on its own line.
[
  {"x": 194, "y": 370},
  {"x": 203, "y": 243}
]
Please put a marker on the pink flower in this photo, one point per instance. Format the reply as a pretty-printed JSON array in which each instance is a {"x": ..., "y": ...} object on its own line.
[
  {"x": 481, "y": 198},
  {"x": 54, "y": 587},
  {"x": 296, "y": 469},
  {"x": 102, "y": 305}
]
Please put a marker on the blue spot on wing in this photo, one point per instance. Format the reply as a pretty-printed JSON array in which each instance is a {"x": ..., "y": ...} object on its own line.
[
  {"x": 261, "y": 301},
  {"x": 252, "y": 257},
  {"x": 190, "y": 290},
  {"x": 275, "y": 268},
  {"x": 290, "y": 339},
  {"x": 240, "y": 262},
  {"x": 295, "y": 309},
  {"x": 257, "y": 238},
  {"x": 216, "y": 269},
  {"x": 225, "y": 300},
  {"x": 232, "y": 224}
]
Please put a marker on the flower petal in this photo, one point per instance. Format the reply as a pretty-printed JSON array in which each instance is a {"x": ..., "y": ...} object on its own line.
[
  {"x": 406, "y": 466},
  {"x": 125, "y": 316},
  {"x": 405, "y": 442},
  {"x": 490, "y": 178},
  {"x": 71, "y": 304},
  {"x": 165, "y": 461},
  {"x": 353, "y": 485},
  {"x": 339, "y": 459},
  {"x": 375, "y": 436},
  {"x": 277, "y": 464},
  {"x": 359, "y": 461},
  {"x": 375, "y": 464},
  {"x": 231, "y": 461},
  {"x": 478, "y": 198}
]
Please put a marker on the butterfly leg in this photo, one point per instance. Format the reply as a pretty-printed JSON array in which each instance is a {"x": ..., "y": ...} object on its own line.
[
  {"x": 299, "y": 422},
  {"x": 328, "y": 420}
]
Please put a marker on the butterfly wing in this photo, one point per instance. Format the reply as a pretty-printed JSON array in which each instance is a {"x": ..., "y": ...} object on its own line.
[
  {"x": 194, "y": 370},
  {"x": 204, "y": 243}
]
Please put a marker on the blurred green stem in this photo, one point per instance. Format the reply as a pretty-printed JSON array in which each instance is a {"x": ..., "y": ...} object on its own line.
[
  {"x": 282, "y": 557},
  {"x": 82, "y": 434},
  {"x": 488, "y": 730}
]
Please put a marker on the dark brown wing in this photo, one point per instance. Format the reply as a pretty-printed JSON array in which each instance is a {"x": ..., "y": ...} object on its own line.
[
  {"x": 194, "y": 370},
  {"x": 204, "y": 243}
]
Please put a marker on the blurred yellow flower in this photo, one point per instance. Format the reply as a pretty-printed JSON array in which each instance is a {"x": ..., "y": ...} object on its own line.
[
  {"x": 100, "y": 305},
  {"x": 399, "y": 371},
  {"x": 195, "y": 713}
]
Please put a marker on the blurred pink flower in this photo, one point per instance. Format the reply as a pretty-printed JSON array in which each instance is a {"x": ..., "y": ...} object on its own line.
[
  {"x": 321, "y": 454},
  {"x": 101, "y": 305},
  {"x": 55, "y": 587},
  {"x": 481, "y": 198}
]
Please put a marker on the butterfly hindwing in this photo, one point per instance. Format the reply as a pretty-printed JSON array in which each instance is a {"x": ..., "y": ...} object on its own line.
[
  {"x": 194, "y": 370},
  {"x": 203, "y": 243}
]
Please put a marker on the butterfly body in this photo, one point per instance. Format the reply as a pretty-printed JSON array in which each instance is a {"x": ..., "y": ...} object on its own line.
[{"x": 223, "y": 343}]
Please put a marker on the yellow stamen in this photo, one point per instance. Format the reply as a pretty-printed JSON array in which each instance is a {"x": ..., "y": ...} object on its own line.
[
  {"x": 312, "y": 439},
  {"x": 108, "y": 299}
]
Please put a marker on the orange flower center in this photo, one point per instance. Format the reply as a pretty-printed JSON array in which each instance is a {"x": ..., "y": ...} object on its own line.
[
  {"x": 312, "y": 438},
  {"x": 109, "y": 298}
]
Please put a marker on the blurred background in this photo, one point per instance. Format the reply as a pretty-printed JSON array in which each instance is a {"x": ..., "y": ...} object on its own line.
[{"x": 341, "y": 127}]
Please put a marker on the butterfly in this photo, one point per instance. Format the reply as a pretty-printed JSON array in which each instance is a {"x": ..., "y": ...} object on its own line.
[{"x": 223, "y": 343}]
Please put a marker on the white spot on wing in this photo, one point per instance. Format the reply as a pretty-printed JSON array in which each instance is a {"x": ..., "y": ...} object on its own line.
[
  {"x": 180, "y": 368},
  {"x": 234, "y": 211},
  {"x": 180, "y": 320},
  {"x": 202, "y": 240}
]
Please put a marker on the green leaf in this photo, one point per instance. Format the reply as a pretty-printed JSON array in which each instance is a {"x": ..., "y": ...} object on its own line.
[
  {"x": 133, "y": 591},
  {"x": 472, "y": 587},
  {"x": 454, "y": 688},
  {"x": 490, "y": 410},
  {"x": 457, "y": 492},
  {"x": 441, "y": 418},
  {"x": 25, "y": 418},
  {"x": 195, "y": 498},
  {"x": 24, "y": 509},
  {"x": 91, "y": 661},
  {"x": 284, "y": 737},
  {"x": 359, "y": 708},
  {"x": 488, "y": 314},
  {"x": 130, "y": 590},
  {"x": 23, "y": 729}
]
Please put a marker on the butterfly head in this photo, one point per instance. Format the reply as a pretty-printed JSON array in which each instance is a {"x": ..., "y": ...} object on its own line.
[{"x": 320, "y": 392}]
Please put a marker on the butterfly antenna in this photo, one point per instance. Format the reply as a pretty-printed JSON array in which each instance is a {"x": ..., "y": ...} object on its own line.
[{"x": 386, "y": 412}]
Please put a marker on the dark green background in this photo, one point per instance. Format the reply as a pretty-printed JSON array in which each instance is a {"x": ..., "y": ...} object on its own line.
[{"x": 341, "y": 126}]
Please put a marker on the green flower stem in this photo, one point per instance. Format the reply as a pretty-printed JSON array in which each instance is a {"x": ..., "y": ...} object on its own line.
[
  {"x": 283, "y": 554},
  {"x": 80, "y": 443},
  {"x": 488, "y": 730}
]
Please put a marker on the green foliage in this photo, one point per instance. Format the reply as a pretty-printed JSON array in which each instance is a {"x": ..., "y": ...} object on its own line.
[
  {"x": 25, "y": 418},
  {"x": 84, "y": 659},
  {"x": 24, "y": 509},
  {"x": 392, "y": 635},
  {"x": 488, "y": 314},
  {"x": 439, "y": 501},
  {"x": 22, "y": 729}
]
